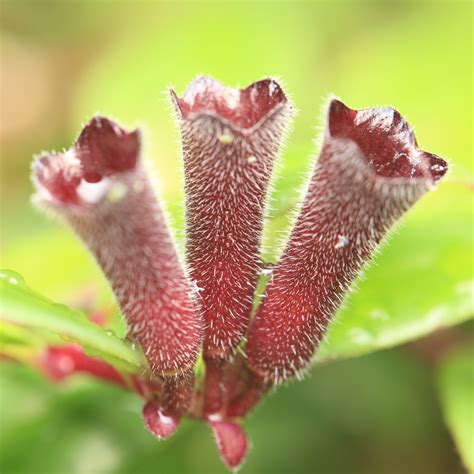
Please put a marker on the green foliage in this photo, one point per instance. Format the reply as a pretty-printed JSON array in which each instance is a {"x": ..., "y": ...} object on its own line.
[
  {"x": 84, "y": 426},
  {"x": 456, "y": 388},
  {"x": 22, "y": 306}
]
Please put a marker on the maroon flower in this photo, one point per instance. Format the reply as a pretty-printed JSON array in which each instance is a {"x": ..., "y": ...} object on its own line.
[
  {"x": 102, "y": 190},
  {"x": 230, "y": 141},
  {"x": 369, "y": 173}
]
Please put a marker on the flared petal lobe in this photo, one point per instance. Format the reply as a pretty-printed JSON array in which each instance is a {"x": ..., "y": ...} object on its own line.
[
  {"x": 243, "y": 109},
  {"x": 369, "y": 172},
  {"x": 102, "y": 190}
]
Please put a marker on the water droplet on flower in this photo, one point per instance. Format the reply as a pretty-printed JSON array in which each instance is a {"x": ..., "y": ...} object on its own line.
[
  {"x": 342, "y": 241},
  {"x": 251, "y": 159},
  {"x": 92, "y": 191},
  {"x": 266, "y": 271},
  {"x": 159, "y": 424}
]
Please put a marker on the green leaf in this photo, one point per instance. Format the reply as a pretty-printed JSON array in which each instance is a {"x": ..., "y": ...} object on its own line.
[
  {"x": 456, "y": 388},
  {"x": 22, "y": 306},
  {"x": 20, "y": 343}
]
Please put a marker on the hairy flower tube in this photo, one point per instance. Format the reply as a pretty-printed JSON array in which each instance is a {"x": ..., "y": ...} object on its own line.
[
  {"x": 370, "y": 171},
  {"x": 102, "y": 190},
  {"x": 230, "y": 141}
]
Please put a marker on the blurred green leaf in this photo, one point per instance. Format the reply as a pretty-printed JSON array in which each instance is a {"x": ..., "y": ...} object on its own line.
[
  {"x": 19, "y": 343},
  {"x": 456, "y": 388},
  {"x": 88, "y": 427},
  {"x": 22, "y": 306}
]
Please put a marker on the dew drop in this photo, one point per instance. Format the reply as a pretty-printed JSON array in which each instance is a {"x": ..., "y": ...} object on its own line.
[
  {"x": 342, "y": 241},
  {"x": 92, "y": 191},
  {"x": 251, "y": 159},
  {"x": 267, "y": 271},
  {"x": 272, "y": 88},
  {"x": 13, "y": 278}
]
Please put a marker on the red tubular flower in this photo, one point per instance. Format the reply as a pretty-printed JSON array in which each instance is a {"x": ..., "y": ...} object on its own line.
[
  {"x": 102, "y": 190},
  {"x": 160, "y": 425},
  {"x": 230, "y": 141},
  {"x": 370, "y": 171}
]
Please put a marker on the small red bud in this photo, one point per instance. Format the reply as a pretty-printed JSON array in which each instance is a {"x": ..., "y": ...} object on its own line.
[
  {"x": 59, "y": 362},
  {"x": 231, "y": 442},
  {"x": 160, "y": 425}
]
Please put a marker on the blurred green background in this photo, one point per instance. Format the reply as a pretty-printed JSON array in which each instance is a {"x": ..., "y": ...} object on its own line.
[{"x": 62, "y": 62}]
